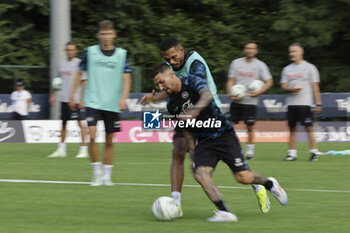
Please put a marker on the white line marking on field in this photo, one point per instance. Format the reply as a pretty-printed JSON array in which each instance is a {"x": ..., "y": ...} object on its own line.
[{"x": 160, "y": 185}]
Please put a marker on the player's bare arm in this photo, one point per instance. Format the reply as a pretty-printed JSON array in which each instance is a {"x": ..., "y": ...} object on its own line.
[
  {"x": 285, "y": 87},
  {"x": 268, "y": 85},
  {"x": 317, "y": 96},
  {"x": 126, "y": 91},
  {"x": 204, "y": 100},
  {"x": 153, "y": 97},
  {"x": 76, "y": 84}
]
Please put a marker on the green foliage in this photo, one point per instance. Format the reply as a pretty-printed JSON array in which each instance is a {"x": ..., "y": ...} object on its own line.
[{"x": 216, "y": 29}]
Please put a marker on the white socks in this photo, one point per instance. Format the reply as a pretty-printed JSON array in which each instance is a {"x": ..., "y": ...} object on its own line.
[
  {"x": 315, "y": 151},
  {"x": 177, "y": 197},
  {"x": 250, "y": 149},
  {"x": 83, "y": 149},
  {"x": 293, "y": 153},
  {"x": 107, "y": 172},
  {"x": 61, "y": 147},
  {"x": 97, "y": 168}
]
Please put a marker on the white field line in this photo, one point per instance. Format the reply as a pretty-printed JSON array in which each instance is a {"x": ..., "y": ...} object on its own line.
[{"x": 160, "y": 185}]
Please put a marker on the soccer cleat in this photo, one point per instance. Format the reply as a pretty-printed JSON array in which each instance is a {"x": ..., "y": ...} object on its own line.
[
  {"x": 107, "y": 182},
  {"x": 180, "y": 214},
  {"x": 290, "y": 158},
  {"x": 313, "y": 157},
  {"x": 82, "y": 154},
  {"x": 249, "y": 156},
  {"x": 223, "y": 216},
  {"x": 96, "y": 180},
  {"x": 263, "y": 199},
  {"x": 57, "y": 154},
  {"x": 278, "y": 191}
]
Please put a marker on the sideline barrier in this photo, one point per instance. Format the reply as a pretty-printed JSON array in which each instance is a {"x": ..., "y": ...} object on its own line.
[{"x": 48, "y": 131}]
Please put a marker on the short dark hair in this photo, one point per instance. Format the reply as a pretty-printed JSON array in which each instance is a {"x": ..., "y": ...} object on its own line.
[
  {"x": 160, "y": 68},
  {"x": 71, "y": 43},
  {"x": 296, "y": 44},
  {"x": 106, "y": 25},
  {"x": 168, "y": 42},
  {"x": 251, "y": 42}
]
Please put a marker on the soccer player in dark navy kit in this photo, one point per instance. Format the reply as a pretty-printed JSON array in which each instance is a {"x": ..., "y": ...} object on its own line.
[
  {"x": 184, "y": 65},
  {"x": 191, "y": 101}
]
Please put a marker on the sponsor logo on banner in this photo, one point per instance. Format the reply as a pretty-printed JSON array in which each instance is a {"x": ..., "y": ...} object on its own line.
[
  {"x": 5, "y": 131},
  {"x": 11, "y": 131},
  {"x": 343, "y": 104}
]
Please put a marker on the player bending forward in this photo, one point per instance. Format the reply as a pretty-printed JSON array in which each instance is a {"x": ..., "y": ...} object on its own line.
[{"x": 190, "y": 99}]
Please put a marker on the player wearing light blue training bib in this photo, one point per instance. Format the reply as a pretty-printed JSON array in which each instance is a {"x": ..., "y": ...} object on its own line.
[{"x": 108, "y": 86}]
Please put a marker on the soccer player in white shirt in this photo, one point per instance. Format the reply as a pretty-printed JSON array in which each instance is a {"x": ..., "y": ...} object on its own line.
[
  {"x": 21, "y": 100},
  {"x": 301, "y": 79},
  {"x": 243, "y": 71},
  {"x": 67, "y": 69}
]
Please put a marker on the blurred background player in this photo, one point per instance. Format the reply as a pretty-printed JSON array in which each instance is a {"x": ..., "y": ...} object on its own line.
[
  {"x": 108, "y": 87},
  {"x": 21, "y": 100},
  {"x": 191, "y": 97},
  {"x": 243, "y": 71},
  {"x": 301, "y": 79},
  {"x": 68, "y": 69},
  {"x": 189, "y": 64}
]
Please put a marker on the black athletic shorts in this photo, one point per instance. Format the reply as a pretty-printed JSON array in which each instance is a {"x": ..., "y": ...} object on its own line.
[
  {"x": 244, "y": 112},
  {"x": 111, "y": 119},
  {"x": 226, "y": 148},
  {"x": 300, "y": 113},
  {"x": 178, "y": 133},
  {"x": 68, "y": 114}
]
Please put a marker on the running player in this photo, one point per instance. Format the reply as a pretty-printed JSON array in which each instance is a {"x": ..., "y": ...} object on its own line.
[
  {"x": 191, "y": 101},
  {"x": 108, "y": 86},
  {"x": 184, "y": 65},
  {"x": 243, "y": 71},
  {"x": 68, "y": 69},
  {"x": 301, "y": 79}
]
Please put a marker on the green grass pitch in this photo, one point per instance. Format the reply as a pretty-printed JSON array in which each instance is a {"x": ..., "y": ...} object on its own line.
[{"x": 51, "y": 208}]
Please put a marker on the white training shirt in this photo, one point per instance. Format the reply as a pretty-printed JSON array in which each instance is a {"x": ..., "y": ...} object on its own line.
[
  {"x": 68, "y": 70},
  {"x": 246, "y": 72},
  {"x": 20, "y": 102},
  {"x": 300, "y": 76}
]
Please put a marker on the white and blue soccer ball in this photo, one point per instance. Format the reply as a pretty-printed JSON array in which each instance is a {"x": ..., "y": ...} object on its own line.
[
  {"x": 165, "y": 209},
  {"x": 256, "y": 85},
  {"x": 56, "y": 83},
  {"x": 238, "y": 91}
]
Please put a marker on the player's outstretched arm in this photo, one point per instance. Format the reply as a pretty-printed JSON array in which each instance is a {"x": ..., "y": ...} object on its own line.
[
  {"x": 153, "y": 97},
  {"x": 76, "y": 84}
]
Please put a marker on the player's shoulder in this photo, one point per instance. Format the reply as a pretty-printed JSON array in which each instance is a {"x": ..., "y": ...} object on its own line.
[
  {"x": 259, "y": 62},
  {"x": 310, "y": 65},
  {"x": 238, "y": 60}
]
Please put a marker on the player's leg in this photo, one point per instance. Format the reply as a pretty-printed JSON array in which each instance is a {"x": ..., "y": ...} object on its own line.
[
  {"x": 205, "y": 162},
  {"x": 92, "y": 117},
  {"x": 306, "y": 120},
  {"x": 249, "y": 114},
  {"x": 292, "y": 116},
  {"x": 177, "y": 165},
  {"x": 271, "y": 184},
  {"x": 232, "y": 154},
  {"x": 83, "y": 151},
  {"x": 112, "y": 125},
  {"x": 61, "y": 147}
]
